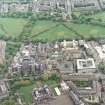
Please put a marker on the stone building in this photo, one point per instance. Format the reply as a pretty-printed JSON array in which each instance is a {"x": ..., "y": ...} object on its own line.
[
  {"x": 3, "y": 90},
  {"x": 2, "y": 51},
  {"x": 30, "y": 60},
  {"x": 71, "y": 49},
  {"x": 65, "y": 67}
]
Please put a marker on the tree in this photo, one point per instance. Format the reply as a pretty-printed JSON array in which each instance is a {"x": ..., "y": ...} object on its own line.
[
  {"x": 101, "y": 67},
  {"x": 45, "y": 76},
  {"x": 54, "y": 77},
  {"x": 22, "y": 73},
  {"x": 8, "y": 102},
  {"x": 100, "y": 80}
]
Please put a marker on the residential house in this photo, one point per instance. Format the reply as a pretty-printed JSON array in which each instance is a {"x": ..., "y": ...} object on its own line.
[{"x": 85, "y": 5}]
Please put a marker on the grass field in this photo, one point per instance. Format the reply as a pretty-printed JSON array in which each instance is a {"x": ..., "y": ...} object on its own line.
[
  {"x": 87, "y": 30},
  {"x": 41, "y": 26},
  {"x": 57, "y": 33},
  {"x": 99, "y": 15},
  {"x": 26, "y": 93},
  {"x": 13, "y": 27}
]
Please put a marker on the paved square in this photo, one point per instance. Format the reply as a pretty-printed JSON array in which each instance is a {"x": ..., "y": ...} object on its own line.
[{"x": 61, "y": 100}]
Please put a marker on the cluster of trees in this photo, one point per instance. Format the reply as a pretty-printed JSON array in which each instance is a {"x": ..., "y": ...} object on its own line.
[
  {"x": 8, "y": 102},
  {"x": 12, "y": 48},
  {"x": 81, "y": 19},
  {"x": 46, "y": 77},
  {"x": 21, "y": 83},
  {"x": 16, "y": 14},
  {"x": 101, "y": 67},
  {"x": 17, "y": 84},
  {"x": 84, "y": 19},
  {"x": 3, "y": 68},
  {"x": 6, "y": 38},
  {"x": 55, "y": 15},
  {"x": 83, "y": 83}
]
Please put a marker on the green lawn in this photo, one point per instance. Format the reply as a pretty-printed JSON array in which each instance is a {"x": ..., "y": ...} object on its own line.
[
  {"x": 57, "y": 33},
  {"x": 83, "y": 83},
  {"x": 26, "y": 93},
  {"x": 51, "y": 83},
  {"x": 11, "y": 27},
  {"x": 99, "y": 15},
  {"x": 87, "y": 30},
  {"x": 41, "y": 26}
]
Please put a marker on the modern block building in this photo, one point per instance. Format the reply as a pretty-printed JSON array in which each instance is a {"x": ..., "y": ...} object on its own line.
[
  {"x": 84, "y": 5},
  {"x": 86, "y": 65}
]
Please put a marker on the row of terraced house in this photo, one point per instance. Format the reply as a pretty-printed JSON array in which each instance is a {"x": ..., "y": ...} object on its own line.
[{"x": 66, "y": 6}]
